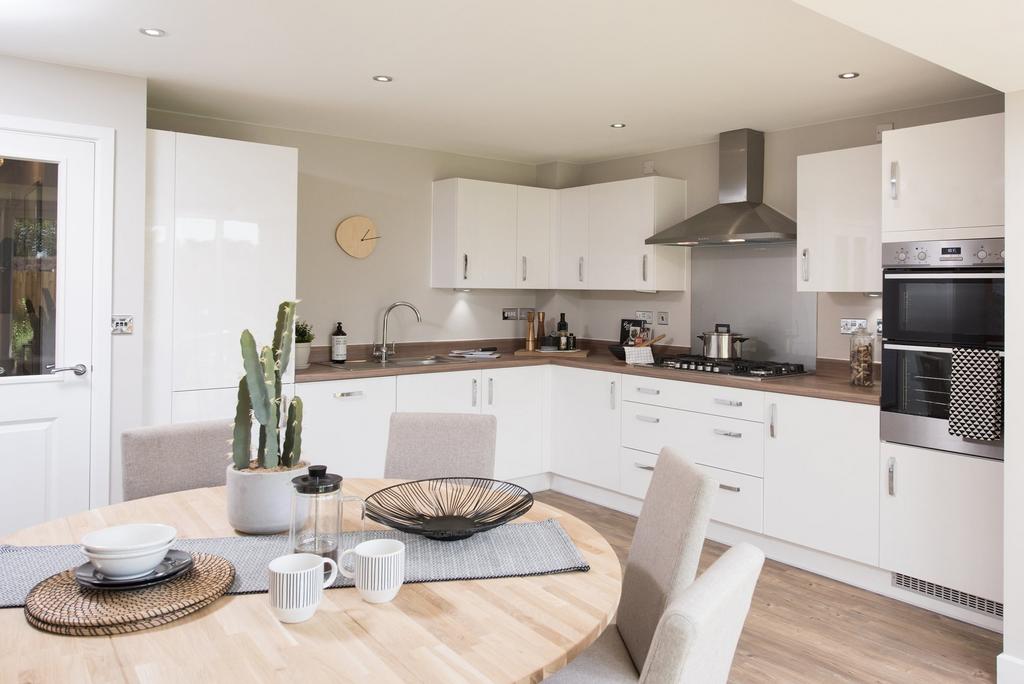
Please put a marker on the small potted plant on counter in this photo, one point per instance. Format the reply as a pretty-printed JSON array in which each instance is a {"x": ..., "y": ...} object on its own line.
[
  {"x": 259, "y": 478},
  {"x": 303, "y": 338}
]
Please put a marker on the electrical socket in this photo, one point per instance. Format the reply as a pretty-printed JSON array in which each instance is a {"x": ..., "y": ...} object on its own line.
[
  {"x": 510, "y": 314},
  {"x": 121, "y": 324},
  {"x": 646, "y": 316},
  {"x": 523, "y": 311},
  {"x": 878, "y": 326},
  {"x": 663, "y": 318},
  {"x": 848, "y": 326}
]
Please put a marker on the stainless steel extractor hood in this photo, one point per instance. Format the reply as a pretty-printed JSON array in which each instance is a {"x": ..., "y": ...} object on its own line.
[{"x": 739, "y": 216}]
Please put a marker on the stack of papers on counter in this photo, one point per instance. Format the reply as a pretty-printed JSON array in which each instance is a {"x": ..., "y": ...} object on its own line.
[{"x": 473, "y": 354}]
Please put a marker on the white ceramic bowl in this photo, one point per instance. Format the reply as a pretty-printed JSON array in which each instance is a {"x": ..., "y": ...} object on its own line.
[
  {"x": 125, "y": 539},
  {"x": 128, "y": 565}
]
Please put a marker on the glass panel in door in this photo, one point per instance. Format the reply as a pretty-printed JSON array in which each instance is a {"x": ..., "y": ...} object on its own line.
[
  {"x": 28, "y": 266},
  {"x": 916, "y": 382}
]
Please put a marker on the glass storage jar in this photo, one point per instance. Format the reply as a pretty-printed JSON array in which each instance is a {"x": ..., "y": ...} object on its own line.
[{"x": 862, "y": 359}]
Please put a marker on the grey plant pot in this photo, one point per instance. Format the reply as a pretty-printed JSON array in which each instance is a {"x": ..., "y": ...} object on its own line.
[
  {"x": 302, "y": 350},
  {"x": 259, "y": 502}
]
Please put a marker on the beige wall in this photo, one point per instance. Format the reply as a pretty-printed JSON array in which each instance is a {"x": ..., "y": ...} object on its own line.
[
  {"x": 699, "y": 166},
  {"x": 340, "y": 177}
]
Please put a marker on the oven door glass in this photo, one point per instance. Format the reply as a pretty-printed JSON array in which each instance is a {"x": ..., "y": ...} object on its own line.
[
  {"x": 916, "y": 380},
  {"x": 963, "y": 308}
]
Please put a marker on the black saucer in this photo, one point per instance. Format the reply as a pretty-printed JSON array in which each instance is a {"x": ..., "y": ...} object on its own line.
[{"x": 173, "y": 564}]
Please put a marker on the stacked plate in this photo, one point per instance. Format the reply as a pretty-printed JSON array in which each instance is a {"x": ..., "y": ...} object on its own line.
[{"x": 130, "y": 557}]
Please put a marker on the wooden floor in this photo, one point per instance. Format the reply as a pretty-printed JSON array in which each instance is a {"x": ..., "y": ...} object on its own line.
[{"x": 804, "y": 627}]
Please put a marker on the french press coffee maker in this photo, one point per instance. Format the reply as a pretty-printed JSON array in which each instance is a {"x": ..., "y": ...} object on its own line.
[{"x": 317, "y": 507}]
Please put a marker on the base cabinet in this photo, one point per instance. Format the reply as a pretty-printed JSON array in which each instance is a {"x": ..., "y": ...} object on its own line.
[
  {"x": 942, "y": 518},
  {"x": 820, "y": 475},
  {"x": 585, "y": 408},
  {"x": 345, "y": 424},
  {"x": 455, "y": 392}
]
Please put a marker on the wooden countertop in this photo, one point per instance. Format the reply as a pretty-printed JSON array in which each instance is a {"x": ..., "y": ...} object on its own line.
[{"x": 830, "y": 381}]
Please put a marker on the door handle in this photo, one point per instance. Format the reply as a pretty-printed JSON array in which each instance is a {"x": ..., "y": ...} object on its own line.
[
  {"x": 613, "y": 395},
  {"x": 581, "y": 269},
  {"x": 648, "y": 419},
  {"x": 465, "y": 267},
  {"x": 805, "y": 265},
  {"x": 641, "y": 466},
  {"x": 892, "y": 476},
  {"x": 490, "y": 391},
  {"x": 524, "y": 269},
  {"x": 728, "y": 433},
  {"x": 346, "y": 395},
  {"x": 728, "y": 402},
  {"x": 77, "y": 369},
  {"x": 771, "y": 421},
  {"x": 644, "y": 268},
  {"x": 729, "y": 488},
  {"x": 474, "y": 391},
  {"x": 894, "y": 180}
]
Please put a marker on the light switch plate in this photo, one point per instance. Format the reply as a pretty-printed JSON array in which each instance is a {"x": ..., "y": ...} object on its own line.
[
  {"x": 878, "y": 326},
  {"x": 121, "y": 324},
  {"x": 510, "y": 314},
  {"x": 848, "y": 326},
  {"x": 523, "y": 311},
  {"x": 646, "y": 316},
  {"x": 663, "y": 318}
]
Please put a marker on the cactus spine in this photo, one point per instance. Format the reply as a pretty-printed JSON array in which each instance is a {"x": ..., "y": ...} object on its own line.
[{"x": 260, "y": 397}]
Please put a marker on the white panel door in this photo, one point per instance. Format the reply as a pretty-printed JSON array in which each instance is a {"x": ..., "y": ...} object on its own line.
[
  {"x": 585, "y": 410},
  {"x": 839, "y": 214},
  {"x": 346, "y": 423},
  {"x": 486, "y": 234},
  {"x": 569, "y": 262},
  {"x": 942, "y": 518},
  {"x": 46, "y": 323},
  {"x": 621, "y": 218},
  {"x": 234, "y": 253},
  {"x": 515, "y": 396},
  {"x": 943, "y": 175},
  {"x": 820, "y": 478},
  {"x": 452, "y": 392},
  {"x": 535, "y": 209}
]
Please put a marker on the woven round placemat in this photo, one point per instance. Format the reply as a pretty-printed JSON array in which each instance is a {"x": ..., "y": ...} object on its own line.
[{"x": 58, "y": 604}]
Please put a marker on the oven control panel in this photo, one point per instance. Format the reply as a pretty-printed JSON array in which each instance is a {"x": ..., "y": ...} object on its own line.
[{"x": 944, "y": 253}]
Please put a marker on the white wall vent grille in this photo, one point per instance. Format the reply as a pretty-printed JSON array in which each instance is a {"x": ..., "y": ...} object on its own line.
[{"x": 954, "y": 596}]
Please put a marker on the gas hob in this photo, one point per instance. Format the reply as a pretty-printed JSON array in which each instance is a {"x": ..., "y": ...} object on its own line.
[{"x": 742, "y": 368}]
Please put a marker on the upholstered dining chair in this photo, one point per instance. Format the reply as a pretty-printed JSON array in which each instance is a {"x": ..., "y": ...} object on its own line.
[
  {"x": 425, "y": 445},
  {"x": 662, "y": 561},
  {"x": 172, "y": 458}
]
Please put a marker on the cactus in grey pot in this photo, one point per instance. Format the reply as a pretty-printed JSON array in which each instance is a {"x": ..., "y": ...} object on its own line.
[{"x": 260, "y": 398}]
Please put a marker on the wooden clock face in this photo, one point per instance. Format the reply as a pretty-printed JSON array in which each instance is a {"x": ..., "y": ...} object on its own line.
[{"x": 358, "y": 236}]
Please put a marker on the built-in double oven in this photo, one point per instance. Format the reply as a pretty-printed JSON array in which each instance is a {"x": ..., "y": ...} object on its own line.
[{"x": 942, "y": 345}]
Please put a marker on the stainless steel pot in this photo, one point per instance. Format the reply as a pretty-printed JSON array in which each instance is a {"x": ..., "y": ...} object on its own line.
[{"x": 722, "y": 343}]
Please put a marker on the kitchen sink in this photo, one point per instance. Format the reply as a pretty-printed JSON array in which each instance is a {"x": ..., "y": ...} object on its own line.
[{"x": 413, "y": 362}]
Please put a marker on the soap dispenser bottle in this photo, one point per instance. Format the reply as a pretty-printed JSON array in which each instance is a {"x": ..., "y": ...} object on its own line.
[{"x": 339, "y": 345}]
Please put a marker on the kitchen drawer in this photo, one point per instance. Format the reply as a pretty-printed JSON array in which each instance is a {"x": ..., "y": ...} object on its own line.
[
  {"x": 715, "y": 441},
  {"x": 731, "y": 402},
  {"x": 739, "y": 499},
  {"x": 635, "y": 471}
]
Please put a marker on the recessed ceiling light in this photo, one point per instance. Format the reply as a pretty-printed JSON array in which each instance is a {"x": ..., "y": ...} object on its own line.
[
  {"x": 153, "y": 32},
  {"x": 847, "y": 75},
  {"x": 617, "y": 124},
  {"x": 736, "y": 240},
  {"x": 381, "y": 78}
]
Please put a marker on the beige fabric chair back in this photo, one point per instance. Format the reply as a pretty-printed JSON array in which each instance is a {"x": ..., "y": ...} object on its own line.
[
  {"x": 425, "y": 445},
  {"x": 666, "y": 548},
  {"x": 698, "y": 632},
  {"x": 171, "y": 458}
]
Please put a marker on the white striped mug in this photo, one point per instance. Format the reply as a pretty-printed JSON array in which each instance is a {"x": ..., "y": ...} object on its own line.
[
  {"x": 378, "y": 568},
  {"x": 297, "y": 585}
]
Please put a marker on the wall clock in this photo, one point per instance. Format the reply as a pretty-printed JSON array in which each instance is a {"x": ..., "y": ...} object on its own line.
[{"x": 357, "y": 235}]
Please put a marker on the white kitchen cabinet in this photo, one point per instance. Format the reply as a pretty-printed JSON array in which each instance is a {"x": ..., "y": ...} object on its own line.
[
  {"x": 729, "y": 402},
  {"x": 943, "y": 175},
  {"x": 569, "y": 266},
  {"x": 220, "y": 257},
  {"x": 345, "y": 424},
  {"x": 942, "y": 518},
  {"x": 838, "y": 216},
  {"x": 535, "y": 212},
  {"x": 451, "y": 392},
  {"x": 739, "y": 500},
  {"x": 473, "y": 234},
  {"x": 585, "y": 407},
  {"x": 820, "y": 477},
  {"x": 516, "y": 397},
  {"x": 210, "y": 404},
  {"x": 622, "y": 215}
]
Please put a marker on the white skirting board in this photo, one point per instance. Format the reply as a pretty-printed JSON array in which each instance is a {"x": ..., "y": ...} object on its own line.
[{"x": 856, "y": 574}]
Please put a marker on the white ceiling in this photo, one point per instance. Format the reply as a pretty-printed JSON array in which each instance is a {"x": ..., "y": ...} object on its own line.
[
  {"x": 983, "y": 39},
  {"x": 527, "y": 80}
]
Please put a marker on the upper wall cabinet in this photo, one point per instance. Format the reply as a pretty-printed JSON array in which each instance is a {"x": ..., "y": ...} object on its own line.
[
  {"x": 535, "y": 213},
  {"x": 944, "y": 175},
  {"x": 569, "y": 245},
  {"x": 473, "y": 234},
  {"x": 838, "y": 216}
]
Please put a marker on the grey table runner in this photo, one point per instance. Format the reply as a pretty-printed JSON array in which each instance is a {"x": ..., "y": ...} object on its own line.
[{"x": 515, "y": 550}]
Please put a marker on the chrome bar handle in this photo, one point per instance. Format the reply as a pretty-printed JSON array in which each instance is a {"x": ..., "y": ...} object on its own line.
[
  {"x": 490, "y": 391},
  {"x": 613, "y": 395},
  {"x": 728, "y": 488},
  {"x": 894, "y": 180},
  {"x": 648, "y": 419},
  {"x": 474, "y": 391},
  {"x": 728, "y": 402},
  {"x": 648, "y": 390},
  {"x": 77, "y": 369},
  {"x": 524, "y": 269},
  {"x": 728, "y": 433},
  {"x": 642, "y": 466},
  {"x": 347, "y": 395},
  {"x": 892, "y": 476},
  {"x": 581, "y": 269},
  {"x": 644, "y": 267},
  {"x": 805, "y": 265},
  {"x": 771, "y": 420},
  {"x": 465, "y": 267}
]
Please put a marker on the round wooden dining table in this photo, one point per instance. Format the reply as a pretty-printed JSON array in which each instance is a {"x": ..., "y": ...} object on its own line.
[{"x": 514, "y": 629}]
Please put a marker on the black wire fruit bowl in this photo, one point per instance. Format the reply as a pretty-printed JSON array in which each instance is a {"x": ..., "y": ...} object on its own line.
[{"x": 448, "y": 508}]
